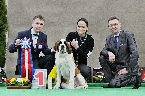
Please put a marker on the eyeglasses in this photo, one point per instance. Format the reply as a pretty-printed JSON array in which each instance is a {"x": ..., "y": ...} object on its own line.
[{"x": 111, "y": 25}]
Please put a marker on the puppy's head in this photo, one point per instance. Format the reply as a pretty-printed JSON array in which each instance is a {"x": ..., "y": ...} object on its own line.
[{"x": 62, "y": 46}]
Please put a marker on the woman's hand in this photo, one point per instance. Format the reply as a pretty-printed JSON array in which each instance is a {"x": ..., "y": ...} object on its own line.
[
  {"x": 74, "y": 43},
  {"x": 52, "y": 50}
]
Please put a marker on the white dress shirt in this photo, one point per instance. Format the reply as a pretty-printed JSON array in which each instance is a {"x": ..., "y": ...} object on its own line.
[{"x": 34, "y": 38}]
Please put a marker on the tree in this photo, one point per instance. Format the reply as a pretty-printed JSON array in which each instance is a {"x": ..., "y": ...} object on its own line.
[{"x": 3, "y": 30}]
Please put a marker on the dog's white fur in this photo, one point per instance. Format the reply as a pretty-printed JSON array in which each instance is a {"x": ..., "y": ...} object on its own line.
[{"x": 66, "y": 69}]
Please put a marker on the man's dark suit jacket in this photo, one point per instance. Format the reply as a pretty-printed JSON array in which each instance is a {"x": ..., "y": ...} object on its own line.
[
  {"x": 127, "y": 54},
  {"x": 42, "y": 39}
]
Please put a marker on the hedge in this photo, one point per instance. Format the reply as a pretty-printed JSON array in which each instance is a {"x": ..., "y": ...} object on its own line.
[{"x": 3, "y": 30}]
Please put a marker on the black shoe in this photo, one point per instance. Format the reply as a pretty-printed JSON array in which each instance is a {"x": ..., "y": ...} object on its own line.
[
  {"x": 108, "y": 86},
  {"x": 138, "y": 82}
]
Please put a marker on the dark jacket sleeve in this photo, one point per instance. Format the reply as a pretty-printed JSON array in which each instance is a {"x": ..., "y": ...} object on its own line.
[
  {"x": 133, "y": 52},
  {"x": 13, "y": 48},
  {"x": 89, "y": 48},
  {"x": 89, "y": 44},
  {"x": 105, "y": 50},
  {"x": 71, "y": 36}
]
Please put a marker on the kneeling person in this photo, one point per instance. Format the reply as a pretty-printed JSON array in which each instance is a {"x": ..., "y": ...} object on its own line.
[{"x": 119, "y": 57}]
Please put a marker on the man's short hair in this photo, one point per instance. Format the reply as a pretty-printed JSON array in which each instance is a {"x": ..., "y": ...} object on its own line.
[
  {"x": 112, "y": 18},
  {"x": 40, "y": 17}
]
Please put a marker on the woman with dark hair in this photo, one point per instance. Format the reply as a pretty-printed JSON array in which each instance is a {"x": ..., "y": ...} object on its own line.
[{"x": 82, "y": 44}]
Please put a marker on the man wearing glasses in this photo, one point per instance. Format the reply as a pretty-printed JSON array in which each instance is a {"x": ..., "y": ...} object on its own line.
[{"x": 119, "y": 57}]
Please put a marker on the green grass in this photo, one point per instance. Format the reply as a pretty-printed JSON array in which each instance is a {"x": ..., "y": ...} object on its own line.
[{"x": 94, "y": 89}]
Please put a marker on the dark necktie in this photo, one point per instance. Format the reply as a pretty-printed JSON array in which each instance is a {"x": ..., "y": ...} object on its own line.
[
  {"x": 36, "y": 35},
  {"x": 115, "y": 41}
]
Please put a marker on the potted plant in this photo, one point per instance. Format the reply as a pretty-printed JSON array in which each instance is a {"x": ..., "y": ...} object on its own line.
[{"x": 18, "y": 83}]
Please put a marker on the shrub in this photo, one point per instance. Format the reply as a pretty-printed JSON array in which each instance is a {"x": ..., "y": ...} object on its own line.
[{"x": 3, "y": 30}]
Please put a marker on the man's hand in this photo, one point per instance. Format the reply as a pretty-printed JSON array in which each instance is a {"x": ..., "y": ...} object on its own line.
[
  {"x": 111, "y": 57},
  {"x": 74, "y": 43},
  {"x": 122, "y": 71},
  {"x": 17, "y": 42}
]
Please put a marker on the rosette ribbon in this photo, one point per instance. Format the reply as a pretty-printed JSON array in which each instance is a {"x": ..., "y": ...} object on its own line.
[{"x": 26, "y": 69}]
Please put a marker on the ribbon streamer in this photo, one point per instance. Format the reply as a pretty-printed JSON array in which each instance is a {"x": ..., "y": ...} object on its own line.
[{"x": 27, "y": 69}]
